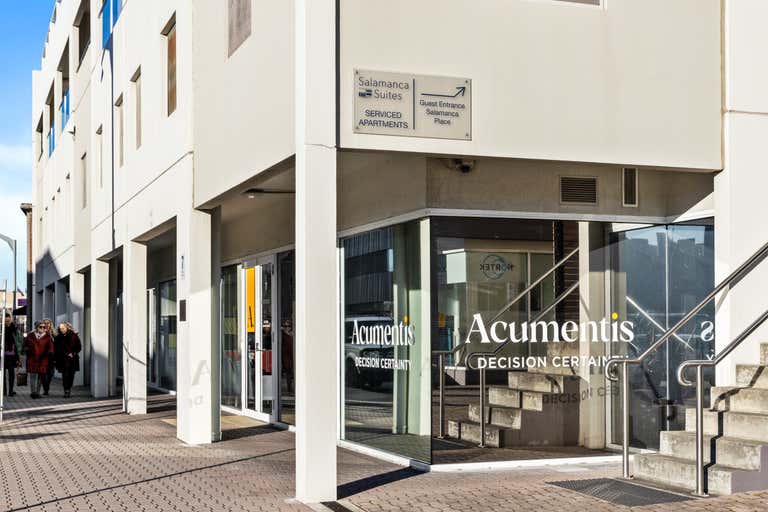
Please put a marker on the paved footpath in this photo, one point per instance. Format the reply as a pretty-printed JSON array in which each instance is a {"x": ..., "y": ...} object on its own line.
[{"x": 81, "y": 454}]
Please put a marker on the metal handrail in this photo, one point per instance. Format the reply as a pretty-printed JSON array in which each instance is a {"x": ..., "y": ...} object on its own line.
[
  {"x": 656, "y": 324},
  {"x": 737, "y": 274},
  {"x": 441, "y": 380},
  {"x": 700, "y": 364},
  {"x": 503, "y": 310},
  {"x": 533, "y": 285}
]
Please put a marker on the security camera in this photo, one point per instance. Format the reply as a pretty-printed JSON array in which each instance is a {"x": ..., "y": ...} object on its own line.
[{"x": 463, "y": 165}]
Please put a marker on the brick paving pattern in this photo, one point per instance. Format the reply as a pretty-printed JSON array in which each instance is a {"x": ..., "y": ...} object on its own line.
[{"x": 85, "y": 454}]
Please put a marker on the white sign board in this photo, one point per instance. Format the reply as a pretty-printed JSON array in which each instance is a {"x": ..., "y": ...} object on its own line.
[{"x": 413, "y": 105}]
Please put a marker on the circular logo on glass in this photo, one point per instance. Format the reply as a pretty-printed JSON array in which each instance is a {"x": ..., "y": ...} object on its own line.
[{"x": 494, "y": 267}]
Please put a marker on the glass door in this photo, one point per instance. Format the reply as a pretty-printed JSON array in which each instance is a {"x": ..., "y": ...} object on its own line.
[{"x": 258, "y": 335}]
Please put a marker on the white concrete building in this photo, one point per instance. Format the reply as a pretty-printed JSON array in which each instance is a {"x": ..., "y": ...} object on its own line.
[{"x": 367, "y": 182}]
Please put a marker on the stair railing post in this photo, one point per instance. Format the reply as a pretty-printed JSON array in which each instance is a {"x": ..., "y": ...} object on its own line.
[
  {"x": 625, "y": 420},
  {"x": 700, "y": 431},
  {"x": 482, "y": 407},
  {"x": 441, "y": 380}
]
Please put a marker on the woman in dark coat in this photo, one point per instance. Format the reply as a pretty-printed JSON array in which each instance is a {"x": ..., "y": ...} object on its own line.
[
  {"x": 12, "y": 350},
  {"x": 38, "y": 346},
  {"x": 67, "y": 349}
]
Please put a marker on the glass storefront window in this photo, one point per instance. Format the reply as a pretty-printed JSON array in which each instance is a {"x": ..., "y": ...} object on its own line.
[
  {"x": 167, "y": 335},
  {"x": 231, "y": 367},
  {"x": 287, "y": 308},
  {"x": 386, "y": 391},
  {"x": 660, "y": 273}
]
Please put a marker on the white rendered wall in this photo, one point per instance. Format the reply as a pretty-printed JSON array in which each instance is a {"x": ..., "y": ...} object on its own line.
[
  {"x": 740, "y": 188},
  {"x": 636, "y": 82}
]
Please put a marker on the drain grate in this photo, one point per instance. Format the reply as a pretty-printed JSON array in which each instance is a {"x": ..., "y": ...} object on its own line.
[{"x": 619, "y": 492}]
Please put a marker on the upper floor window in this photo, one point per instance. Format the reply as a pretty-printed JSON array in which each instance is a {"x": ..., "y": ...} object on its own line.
[
  {"x": 39, "y": 138},
  {"x": 239, "y": 23},
  {"x": 51, "y": 135},
  {"x": 170, "y": 35},
  {"x": 110, "y": 11},
  {"x": 137, "y": 105},
  {"x": 119, "y": 126},
  {"x": 83, "y": 24},
  {"x": 100, "y": 155},
  {"x": 84, "y": 181},
  {"x": 64, "y": 70}
]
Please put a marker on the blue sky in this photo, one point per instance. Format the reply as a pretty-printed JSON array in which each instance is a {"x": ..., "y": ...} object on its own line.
[{"x": 23, "y": 27}]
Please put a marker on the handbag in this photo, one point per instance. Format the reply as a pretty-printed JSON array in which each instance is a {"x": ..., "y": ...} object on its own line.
[{"x": 21, "y": 379}]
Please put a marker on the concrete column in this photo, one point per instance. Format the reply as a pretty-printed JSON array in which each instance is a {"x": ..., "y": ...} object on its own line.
[
  {"x": 591, "y": 308},
  {"x": 316, "y": 253},
  {"x": 99, "y": 329},
  {"x": 76, "y": 308},
  {"x": 135, "y": 328},
  {"x": 740, "y": 187},
  {"x": 194, "y": 366}
]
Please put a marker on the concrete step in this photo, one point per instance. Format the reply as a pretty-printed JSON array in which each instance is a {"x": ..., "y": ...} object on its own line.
[
  {"x": 506, "y": 417},
  {"x": 739, "y": 399},
  {"x": 764, "y": 354},
  {"x": 745, "y": 425},
  {"x": 711, "y": 421},
  {"x": 504, "y": 397},
  {"x": 528, "y": 381},
  {"x": 742, "y": 425},
  {"x": 752, "y": 376},
  {"x": 729, "y": 451},
  {"x": 681, "y": 473},
  {"x": 470, "y": 431}
]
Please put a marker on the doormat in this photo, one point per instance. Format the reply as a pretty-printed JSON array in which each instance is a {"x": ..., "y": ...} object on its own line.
[{"x": 620, "y": 492}]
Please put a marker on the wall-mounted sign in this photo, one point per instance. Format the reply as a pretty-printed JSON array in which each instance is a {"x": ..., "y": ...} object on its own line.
[{"x": 413, "y": 105}]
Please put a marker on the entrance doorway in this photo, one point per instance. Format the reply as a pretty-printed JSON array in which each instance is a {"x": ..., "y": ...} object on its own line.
[
  {"x": 250, "y": 384},
  {"x": 257, "y": 311}
]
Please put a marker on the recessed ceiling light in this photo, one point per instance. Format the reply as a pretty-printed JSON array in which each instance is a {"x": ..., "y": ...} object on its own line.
[{"x": 253, "y": 192}]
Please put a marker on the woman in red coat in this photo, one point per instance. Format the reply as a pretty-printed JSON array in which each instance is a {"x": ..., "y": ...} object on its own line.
[{"x": 38, "y": 346}]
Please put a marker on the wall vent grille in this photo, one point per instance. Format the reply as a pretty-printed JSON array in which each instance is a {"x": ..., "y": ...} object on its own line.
[{"x": 578, "y": 189}]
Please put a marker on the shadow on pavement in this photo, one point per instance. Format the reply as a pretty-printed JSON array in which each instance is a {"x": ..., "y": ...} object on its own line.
[
  {"x": 371, "y": 482},
  {"x": 26, "y": 437}
]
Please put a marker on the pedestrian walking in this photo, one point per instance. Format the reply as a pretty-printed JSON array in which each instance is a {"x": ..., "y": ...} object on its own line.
[
  {"x": 12, "y": 348},
  {"x": 48, "y": 376},
  {"x": 38, "y": 347},
  {"x": 67, "y": 348}
]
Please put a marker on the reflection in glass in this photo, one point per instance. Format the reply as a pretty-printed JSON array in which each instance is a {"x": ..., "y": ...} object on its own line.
[
  {"x": 266, "y": 338},
  {"x": 663, "y": 271},
  {"x": 386, "y": 353},
  {"x": 287, "y": 300},
  {"x": 231, "y": 368},
  {"x": 166, "y": 328}
]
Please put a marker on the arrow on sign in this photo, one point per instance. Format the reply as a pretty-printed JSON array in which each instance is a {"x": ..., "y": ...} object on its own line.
[{"x": 460, "y": 91}]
